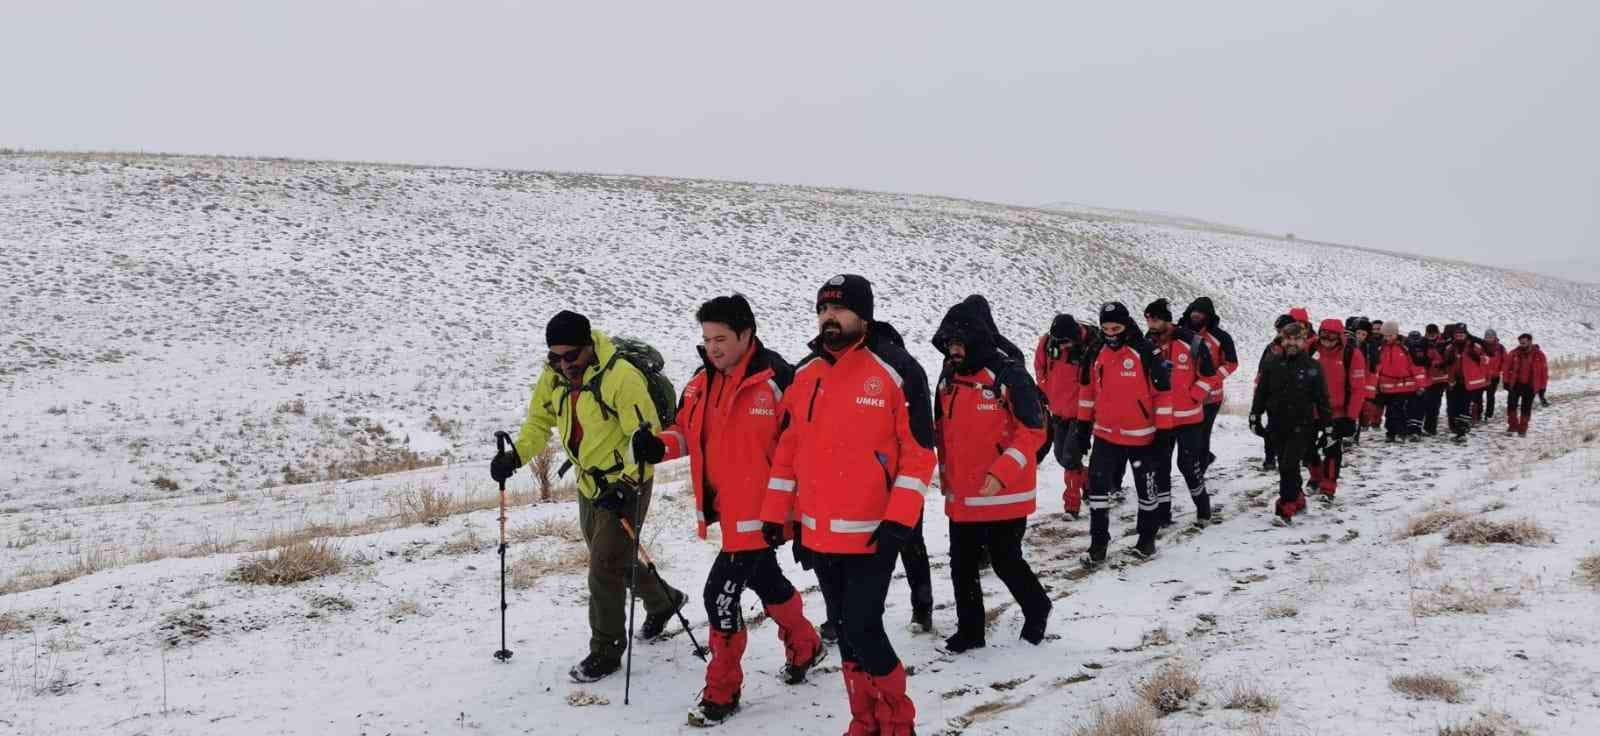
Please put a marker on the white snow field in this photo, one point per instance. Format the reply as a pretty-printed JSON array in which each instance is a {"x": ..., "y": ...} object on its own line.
[{"x": 197, "y": 354}]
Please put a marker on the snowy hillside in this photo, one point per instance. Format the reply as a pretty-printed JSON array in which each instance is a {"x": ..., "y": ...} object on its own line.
[
  {"x": 201, "y": 359},
  {"x": 215, "y": 325}
]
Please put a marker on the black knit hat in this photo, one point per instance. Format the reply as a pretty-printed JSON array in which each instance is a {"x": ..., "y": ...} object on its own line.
[
  {"x": 849, "y": 291},
  {"x": 1115, "y": 312},
  {"x": 1282, "y": 320},
  {"x": 1158, "y": 309},
  {"x": 568, "y": 328},
  {"x": 1065, "y": 329}
]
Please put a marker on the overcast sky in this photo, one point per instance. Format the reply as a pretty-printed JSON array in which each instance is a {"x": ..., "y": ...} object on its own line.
[{"x": 1457, "y": 129}]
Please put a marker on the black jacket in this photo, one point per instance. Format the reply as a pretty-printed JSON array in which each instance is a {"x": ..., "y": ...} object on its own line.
[{"x": 1292, "y": 392}]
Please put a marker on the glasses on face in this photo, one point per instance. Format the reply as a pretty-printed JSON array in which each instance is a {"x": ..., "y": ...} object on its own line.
[{"x": 571, "y": 356}]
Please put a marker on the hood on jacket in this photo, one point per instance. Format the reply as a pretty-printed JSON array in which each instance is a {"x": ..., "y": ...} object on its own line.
[
  {"x": 969, "y": 323},
  {"x": 1005, "y": 346},
  {"x": 1204, "y": 306}
]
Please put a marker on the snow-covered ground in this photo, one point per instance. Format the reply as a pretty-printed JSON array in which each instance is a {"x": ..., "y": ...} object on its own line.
[
  {"x": 1319, "y": 617},
  {"x": 196, "y": 354}
]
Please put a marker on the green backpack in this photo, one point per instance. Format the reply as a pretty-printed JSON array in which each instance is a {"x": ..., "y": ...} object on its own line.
[{"x": 650, "y": 363}]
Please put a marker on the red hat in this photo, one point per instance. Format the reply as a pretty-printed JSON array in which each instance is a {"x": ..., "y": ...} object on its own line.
[
  {"x": 1332, "y": 325},
  {"x": 1300, "y": 315}
]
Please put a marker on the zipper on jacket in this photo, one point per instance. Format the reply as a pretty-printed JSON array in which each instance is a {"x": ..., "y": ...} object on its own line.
[
  {"x": 811, "y": 406},
  {"x": 1142, "y": 410}
]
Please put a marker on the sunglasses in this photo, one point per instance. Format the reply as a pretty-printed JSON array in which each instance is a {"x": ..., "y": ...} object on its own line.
[{"x": 571, "y": 356}]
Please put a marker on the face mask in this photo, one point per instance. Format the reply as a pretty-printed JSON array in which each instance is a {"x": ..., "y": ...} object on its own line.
[{"x": 1114, "y": 341}]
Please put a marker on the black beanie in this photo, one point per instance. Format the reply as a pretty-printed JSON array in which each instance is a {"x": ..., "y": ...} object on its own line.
[
  {"x": 1065, "y": 329},
  {"x": 568, "y": 328},
  {"x": 1115, "y": 312},
  {"x": 1282, "y": 321},
  {"x": 1158, "y": 309},
  {"x": 849, "y": 291}
]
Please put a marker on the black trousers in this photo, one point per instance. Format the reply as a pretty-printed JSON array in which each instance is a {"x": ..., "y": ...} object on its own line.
[
  {"x": 1458, "y": 406},
  {"x": 1294, "y": 441},
  {"x": 1211, "y": 412},
  {"x": 1189, "y": 442},
  {"x": 914, "y": 555},
  {"x": 1269, "y": 453},
  {"x": 730, "y": 573},
  {"x": 1520, "y": 399},
  {"x": 1432, "y": 399},
  {"x": 1107, "y": 463},
  {"x": 1003, "y": 541},
  {"x": 1487, "y": 399},
  {"x": 856, "y": 586}
]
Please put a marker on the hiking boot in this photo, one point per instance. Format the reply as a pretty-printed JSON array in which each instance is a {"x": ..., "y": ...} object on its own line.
[
  {"x": 655, "y": 624},
  {"x": 922, "y": 620},
  {"x": 962, "y": 641},
  {"x": 794, "y": 674},
  {"x": 1202, "y": 509},
  {"x": 1286, "y": 510},
  {"x": 594, "y": 667},
  {"x": 829, "y": 631},
  {"x": 1095, "y": 558},
  {"x": 1033, "y": 626},
  {"x": 1145, "y": 549},
  {"x": 708, "y": 714}
]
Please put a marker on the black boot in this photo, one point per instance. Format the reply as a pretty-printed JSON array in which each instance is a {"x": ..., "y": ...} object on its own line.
[
  {"x": 1202, "y": 508},
  {"x": 594, "y": 667},
  {"x": 829, "y": 631},
  {"x": 708, "y": 714},
  {"x": 922, "y": 608},
  {"x": 1033, "y": 624},
  {"x": 656, "y": 623},
  {"x": 964, "y": 640}
]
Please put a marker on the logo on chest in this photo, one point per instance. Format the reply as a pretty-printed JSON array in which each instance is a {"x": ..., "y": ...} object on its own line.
[
  {"x": 1127, "y": 368},
  {"x": 873, "y": 388}
]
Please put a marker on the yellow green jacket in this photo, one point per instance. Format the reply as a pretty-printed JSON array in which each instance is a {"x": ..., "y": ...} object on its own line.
[{"x": 605, "y": 437}]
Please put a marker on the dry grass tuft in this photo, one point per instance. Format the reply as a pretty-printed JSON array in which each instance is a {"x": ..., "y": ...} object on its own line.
[
  {"x": 565, "y": 530},
  {"x": 1525, "y": 532},
  {"x": 11, "y": 621},
  {"x": 1171, "y": 688},
  {"x": 1488, "y": 723},
  {"x": 288, "y": 565},
  {"x": 531, "y": 567},
  {"x": 424, "y": 505},
  {"x": 1250, "y": 699},
  {"x": 1450, "y": 599},
  {"x": 1134, "y": 718},
  {"x": 406, "y": 608},
  {"x": 1283, "y": 610},
  {"x": 1431, "y": 522},
  {"x": 1589, "y": 570},
  {"x": 1427, "y": 686}
]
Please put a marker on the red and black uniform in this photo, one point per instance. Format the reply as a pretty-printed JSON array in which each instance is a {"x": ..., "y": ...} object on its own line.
[
  {"x": 728, "y": 425},
  {"x": 1372, "y": 412},
  {"x": 1496, "y": 355},
  {"x": 1526, "y": 373},
  {"x": 1057, "y": 364},
  {"x": 988, "y": 420},
  {"x": 1438, "y": 370},
  {"x": 1180, "y": 421},
  {"x": 1400, "y": 381},
  {"x": 857, "y": 453},
  {"x": 1344, "y": 368},
  {"x": 1223, "y": 356},
  {"x": 1469, "y": 376},
  {"x": 1123, "y": 383}
]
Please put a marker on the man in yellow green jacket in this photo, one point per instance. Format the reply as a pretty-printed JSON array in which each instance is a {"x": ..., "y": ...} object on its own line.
[{"x": 595, "y": 400}]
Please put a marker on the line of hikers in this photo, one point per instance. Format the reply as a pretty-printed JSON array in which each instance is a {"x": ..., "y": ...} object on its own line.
[{"x": 837, "y": 452}]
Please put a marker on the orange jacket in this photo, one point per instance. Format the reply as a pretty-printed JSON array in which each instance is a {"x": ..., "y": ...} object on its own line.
[
  {"x": 1347, "y": 382},
  {"x": 1396, "y": 372},
  {"x": 1121, "y": 389},
  {"x": 1527, "y": 366},
  {"x": 1193, "y": 378},
  {"x": 1057, "y": 376},
  {"x": 728, "y": 426},
  {"x": 858, "y": 446}
]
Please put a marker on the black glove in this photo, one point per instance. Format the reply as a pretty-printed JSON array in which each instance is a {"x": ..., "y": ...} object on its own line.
[
  {"x": 1344, "y": 427},
  {"x": 615, "y": 497},
  {"x": 504, "y": 465},
  {"x": 1255, "y": 425},
  {"x": 890, "y": 536},
  {"x": 647, "y": 448},
  {"x": 772, "y": 534}
]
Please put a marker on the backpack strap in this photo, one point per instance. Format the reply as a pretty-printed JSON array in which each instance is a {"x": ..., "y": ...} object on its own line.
[{"x": 593, "y": 385}]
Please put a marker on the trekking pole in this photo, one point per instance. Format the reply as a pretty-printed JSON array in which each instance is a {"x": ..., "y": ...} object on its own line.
[
  {"x": 633, "y": 597},
  {"x": 501, "y": 439},
  {"x": 650, "y": 565}
]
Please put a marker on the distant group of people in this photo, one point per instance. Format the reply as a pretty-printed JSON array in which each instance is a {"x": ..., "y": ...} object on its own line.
[{"x": 837, "y": 453}]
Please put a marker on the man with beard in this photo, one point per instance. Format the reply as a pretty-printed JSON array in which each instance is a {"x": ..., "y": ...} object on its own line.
[
  {"x": 1469, "y": 376},
  {"x": 727, "y": 424},
  {"x": 1123, "y": 383},
  {"x": 1180, "y": 425},
  {"x": 852, "y": 467},
  {"x": 1202, "y": 319},
  {"x": 1526, "y": 374},
  {"x": 596, "y": 401},
  {"x": 988, "y": 420},
  {"x": 1292, "y": 395}
]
